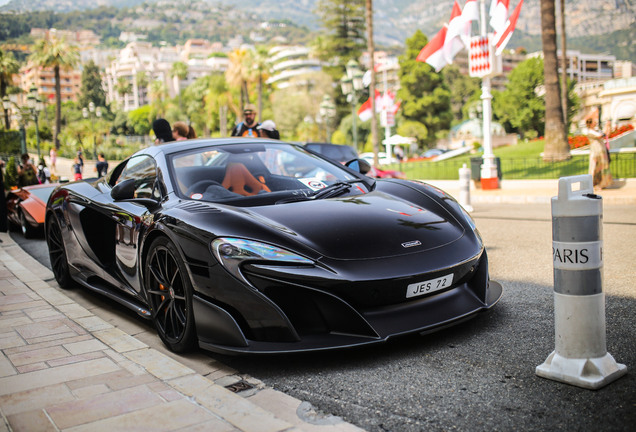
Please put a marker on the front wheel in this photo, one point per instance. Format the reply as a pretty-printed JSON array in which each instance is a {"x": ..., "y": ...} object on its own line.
[
  {"x": 169, "y": 295},
  {"x": 57, "y": 253}
]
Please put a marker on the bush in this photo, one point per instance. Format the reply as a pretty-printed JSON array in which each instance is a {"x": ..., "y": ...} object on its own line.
[
  {"x": 10, "y": 142},
  {"x": 621, "y": 130},
  {"x": 11, "y": 174}
]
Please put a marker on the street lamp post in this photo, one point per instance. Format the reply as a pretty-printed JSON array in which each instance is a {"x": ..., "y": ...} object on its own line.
[
  {"x": 351, "y": 83},
  {"x": 97, "y": 112},
  {"x": 35, "y": 106},
  {"x": 327, "y": 112}
]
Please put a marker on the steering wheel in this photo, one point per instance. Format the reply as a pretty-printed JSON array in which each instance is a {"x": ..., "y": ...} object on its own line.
[{"x": 201, "y": 186}]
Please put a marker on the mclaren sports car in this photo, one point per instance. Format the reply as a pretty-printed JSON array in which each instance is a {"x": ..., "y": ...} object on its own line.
[
  {"x": 26, "y": 208},
  {"x": 259, "y": 246}
]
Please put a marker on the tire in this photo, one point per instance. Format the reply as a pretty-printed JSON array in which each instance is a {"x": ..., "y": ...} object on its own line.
[
  {"x": 27, "y": 230},
  {"x": 169, "y": 293},
  {"x": 57, "y": 254}
]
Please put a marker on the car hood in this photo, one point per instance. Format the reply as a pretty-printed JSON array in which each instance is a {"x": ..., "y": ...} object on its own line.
[{"x": 372, "y": 225}]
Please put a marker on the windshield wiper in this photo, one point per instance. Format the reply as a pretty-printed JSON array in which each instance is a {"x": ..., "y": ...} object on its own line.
[{"x": 333, "y": 190}]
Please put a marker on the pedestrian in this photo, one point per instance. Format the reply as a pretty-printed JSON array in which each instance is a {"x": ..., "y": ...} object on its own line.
[
  {"x": 53, "y": 158},
  {"x": 101, "y": 167},
  {"x": 77, "y": 169},
  {"x": 599, "y": 160},
  {"x": 180, "y": 131},
  {"x": 27, "y": 173},
  {"x": 248, "y": 127},
  {"x": 162, "y": 130},
  {"x": 44, "y": 175},
  {"x": 80, "y": 159},
  {"x": 268, "y": 130}
]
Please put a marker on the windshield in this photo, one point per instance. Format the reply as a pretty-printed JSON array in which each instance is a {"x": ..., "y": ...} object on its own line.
[{"x": 239, "y": 171}]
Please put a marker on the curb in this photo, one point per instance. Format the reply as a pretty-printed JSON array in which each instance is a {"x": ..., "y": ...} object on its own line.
[{"x": 88, "y": 368}]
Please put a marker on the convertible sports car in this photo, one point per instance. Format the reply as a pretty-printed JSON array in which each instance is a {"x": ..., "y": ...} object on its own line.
[
  {"x": 260, "y": 246},
  {"x": 26, "y": 208}
]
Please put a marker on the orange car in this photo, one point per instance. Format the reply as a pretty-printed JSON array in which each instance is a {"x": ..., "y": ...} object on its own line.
[{"x": 26, "y": 207}]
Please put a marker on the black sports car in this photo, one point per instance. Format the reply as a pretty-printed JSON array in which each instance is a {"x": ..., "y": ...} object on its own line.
[{"x": 254, "y": 245}]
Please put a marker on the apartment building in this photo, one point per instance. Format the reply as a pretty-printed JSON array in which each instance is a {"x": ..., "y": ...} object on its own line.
[{"x": 44, "y": 80}]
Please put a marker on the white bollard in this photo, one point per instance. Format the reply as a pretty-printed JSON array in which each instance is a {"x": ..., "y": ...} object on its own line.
[
  {"x": 580, "y": 357},
  {"x": 464, "y": 188}
]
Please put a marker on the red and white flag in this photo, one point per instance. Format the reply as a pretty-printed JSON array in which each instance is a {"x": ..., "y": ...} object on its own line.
[
  {"x": 499, "y": 15},
  {"x": 470, "y": 13},
  {"x": 501, "y": 39},
  {"x": 452, "y": 41},
  {"x": 432, "y": 53},
  {"x": 382, "y": 102}
]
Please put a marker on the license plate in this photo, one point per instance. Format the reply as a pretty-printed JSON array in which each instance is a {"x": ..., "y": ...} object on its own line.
[{"x": 429, "y": 286}]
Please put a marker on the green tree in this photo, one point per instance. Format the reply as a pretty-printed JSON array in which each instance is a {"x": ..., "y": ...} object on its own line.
[
  {"x": 238, "y": 73},
  {"x": 425, "y": 97},
  {"x": 140, "y": 120},
  {"x": 91, "y": 89},
  {"x": 344, "y": 23},
  {"x": 518, "y": 107},
  {"x": 9, "y": 67},
  {"x": 59, "y": 55},
  {"x": 463, "y": 89}
]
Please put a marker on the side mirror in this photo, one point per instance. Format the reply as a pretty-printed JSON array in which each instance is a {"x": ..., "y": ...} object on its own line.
[
  {"x": 360, "y": 165},
  {"x": 125, "y": 191}
]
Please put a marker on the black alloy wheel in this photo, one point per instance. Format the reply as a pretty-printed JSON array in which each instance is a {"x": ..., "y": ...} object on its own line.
[
  {"x": 27, "y": 230},
  {"x": 169, "y": 295},
  {"x": 57, "y": 254}
]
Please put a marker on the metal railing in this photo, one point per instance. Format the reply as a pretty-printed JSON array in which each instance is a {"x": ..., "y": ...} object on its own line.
[{"x": 622, "y": 165}]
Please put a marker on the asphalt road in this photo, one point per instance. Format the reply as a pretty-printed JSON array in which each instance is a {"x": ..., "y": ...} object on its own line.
[{"x": 478, "y": 376}]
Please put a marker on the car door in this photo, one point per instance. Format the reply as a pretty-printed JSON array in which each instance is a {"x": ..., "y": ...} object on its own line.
[{"x": 132, "y": 218}]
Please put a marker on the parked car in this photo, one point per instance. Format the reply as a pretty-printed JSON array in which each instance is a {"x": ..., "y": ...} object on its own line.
[
  {"x": 26, "y": 208},
  {"x": 337, "y": 152},
  {"x": 259, "y": 246}
]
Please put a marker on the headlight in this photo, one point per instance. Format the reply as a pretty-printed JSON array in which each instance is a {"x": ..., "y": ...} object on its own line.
[{"x": 231, "y": 252}]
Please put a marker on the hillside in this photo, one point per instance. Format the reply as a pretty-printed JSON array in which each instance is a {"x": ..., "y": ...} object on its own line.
[{"x": 603, "y": 26}]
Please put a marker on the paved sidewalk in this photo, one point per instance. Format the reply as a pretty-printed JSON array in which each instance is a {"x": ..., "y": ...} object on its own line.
[{"x": 62, "y": 369}]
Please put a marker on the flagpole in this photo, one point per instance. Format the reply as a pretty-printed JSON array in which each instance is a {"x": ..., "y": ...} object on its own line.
[
  {"x": 489, "y": 179},
  {"x": 387, "y": 128}
]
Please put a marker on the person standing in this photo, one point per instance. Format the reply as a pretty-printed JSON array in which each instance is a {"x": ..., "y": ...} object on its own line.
[
  {"x": 162, "y": 130},
  {"x": 599, "y": 160},
  {"x": 101, "y": 167},
  {"x": 248, "y": 127},
  {"x": 180, "y": 131},
  {"x": 27, "y": 173},
  {"x": 81, "y": 160},
  {"x": 77, "y": 169},
  {"x": 53, "y": 158}
]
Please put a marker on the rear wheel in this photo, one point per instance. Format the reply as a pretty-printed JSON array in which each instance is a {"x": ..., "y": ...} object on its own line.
[
  {"x": 27, "y": 230},
  {"x": 57, "y": 254},
  {"x": 169, "y": 295}
]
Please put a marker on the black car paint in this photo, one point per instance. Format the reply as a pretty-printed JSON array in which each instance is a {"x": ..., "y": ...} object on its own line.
[{"x": 351, "y": 296}]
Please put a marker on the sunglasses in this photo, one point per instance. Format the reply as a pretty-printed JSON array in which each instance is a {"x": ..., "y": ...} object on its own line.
[{"x": 248, "y": 112}]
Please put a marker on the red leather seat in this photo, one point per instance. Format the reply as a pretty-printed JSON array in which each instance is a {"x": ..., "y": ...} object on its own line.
[{"x": 239, "y": 180}]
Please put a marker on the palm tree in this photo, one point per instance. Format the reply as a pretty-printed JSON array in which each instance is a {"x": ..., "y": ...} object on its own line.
[
  {"x": 158, "y": 95},
  {"x": 141, "y": 80},
  {"x": 9, "y": 67},
  {"x": 238, "y": 72},
  {"x": 260, "y": 68},
  {"x": 179, "y": 72},
  {"x": 556, "y": 143},
  {"x": 59, "y": 55},
  {"x": 123, "y": 86}
]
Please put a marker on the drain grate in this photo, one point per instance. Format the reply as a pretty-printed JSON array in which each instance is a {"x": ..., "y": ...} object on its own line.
[{"x": 239, "y": 386}]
